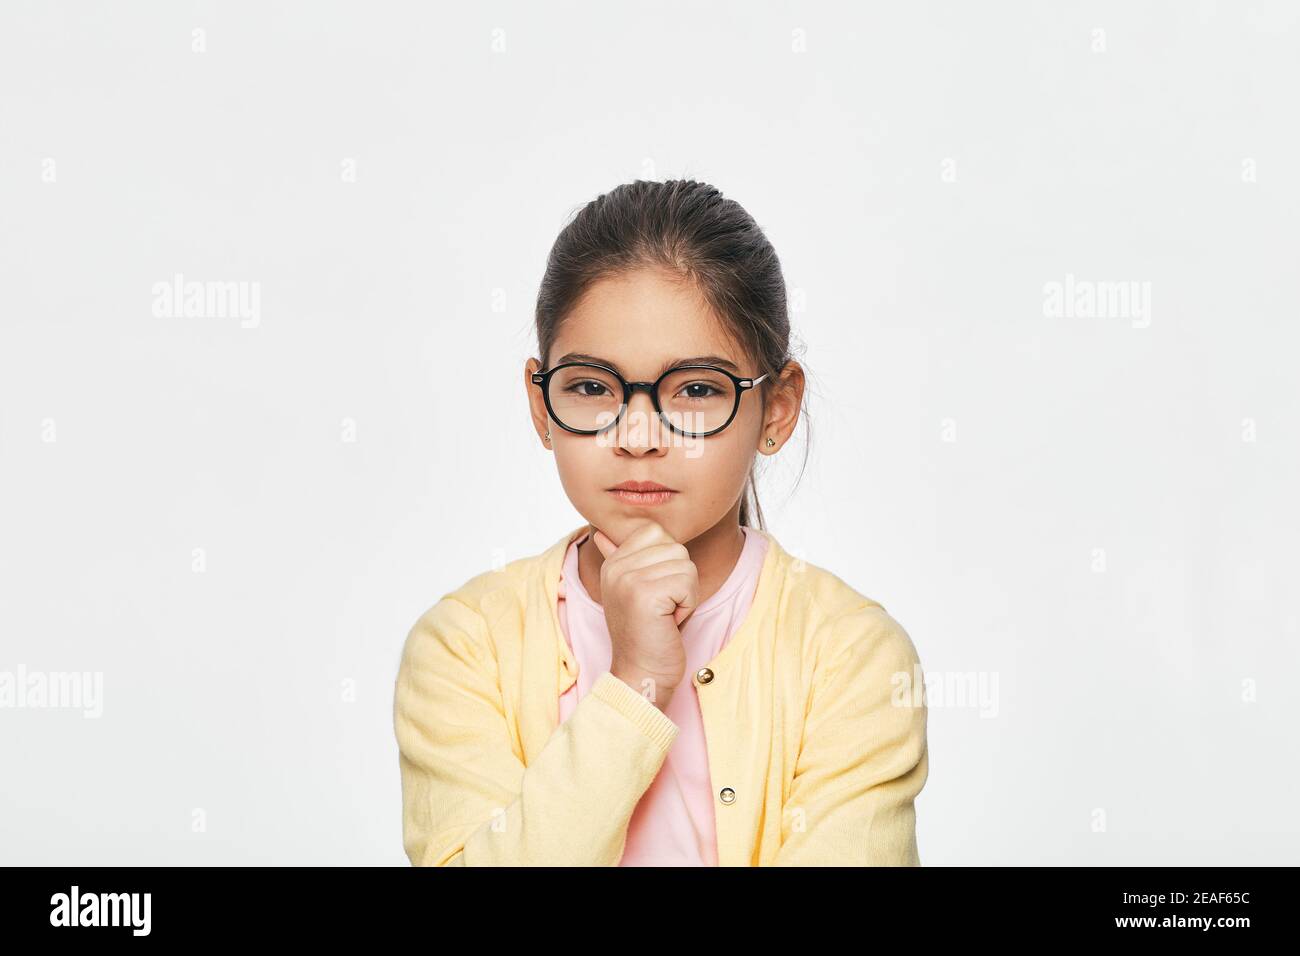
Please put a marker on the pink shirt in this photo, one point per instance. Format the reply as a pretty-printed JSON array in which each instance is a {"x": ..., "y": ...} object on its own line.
[{"x": 673, "y": 823}]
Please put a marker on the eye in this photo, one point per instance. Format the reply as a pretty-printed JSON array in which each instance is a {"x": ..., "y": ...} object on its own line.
[
  {"x": 701, "y": 390},
  {"x": 578, "y": 388}
]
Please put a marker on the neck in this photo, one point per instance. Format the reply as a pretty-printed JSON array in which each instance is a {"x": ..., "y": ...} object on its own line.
[{"x": 715, "y": 553}]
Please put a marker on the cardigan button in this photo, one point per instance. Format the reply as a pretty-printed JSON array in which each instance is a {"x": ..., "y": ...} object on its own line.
[
  {"x": 704, "y": 675},
  {"x": 727, "y": 795}
]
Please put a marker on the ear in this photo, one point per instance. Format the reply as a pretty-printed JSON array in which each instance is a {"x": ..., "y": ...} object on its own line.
[
  {"x": 784, "y": 402},
  {"x": 536, "y": 402}
]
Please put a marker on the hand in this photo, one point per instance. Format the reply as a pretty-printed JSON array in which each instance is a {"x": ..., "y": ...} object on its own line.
[{"x": 648, "y": 586}]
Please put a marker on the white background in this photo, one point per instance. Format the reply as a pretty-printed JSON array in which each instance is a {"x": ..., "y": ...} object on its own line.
[{"x": 1071, "y": 506}]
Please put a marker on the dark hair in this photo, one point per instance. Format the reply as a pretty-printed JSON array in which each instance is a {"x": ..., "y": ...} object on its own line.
[{"x": 688, "y": 229}]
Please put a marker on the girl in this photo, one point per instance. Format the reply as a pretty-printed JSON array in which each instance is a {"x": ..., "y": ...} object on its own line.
[{"x": 665, "y": 685}]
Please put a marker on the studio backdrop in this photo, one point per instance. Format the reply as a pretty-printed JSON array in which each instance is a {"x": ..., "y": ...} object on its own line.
[{"x": 267, "y": 281}]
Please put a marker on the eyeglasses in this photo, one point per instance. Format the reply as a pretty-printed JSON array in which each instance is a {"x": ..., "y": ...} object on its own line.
[{"x": 692, "y": 400}]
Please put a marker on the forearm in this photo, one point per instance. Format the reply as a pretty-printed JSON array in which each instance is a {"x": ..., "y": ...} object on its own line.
[{"x": 571, "y": 805}]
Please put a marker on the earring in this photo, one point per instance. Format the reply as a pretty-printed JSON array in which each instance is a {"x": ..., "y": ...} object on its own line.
[
  {"x": 548, "y": 436},
  {"x": 770, "y": 443}
]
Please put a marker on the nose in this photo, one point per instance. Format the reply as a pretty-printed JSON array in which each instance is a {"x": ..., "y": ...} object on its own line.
[{"x": 640, "y": 431}]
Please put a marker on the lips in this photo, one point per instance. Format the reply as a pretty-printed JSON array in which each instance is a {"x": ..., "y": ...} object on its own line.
[
  {"x": 642, "y": 493},
  {"x": 641, "y": 486}
]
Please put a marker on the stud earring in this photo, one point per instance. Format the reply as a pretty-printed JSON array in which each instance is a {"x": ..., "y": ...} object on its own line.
[
  {"x": 770, "y": 443},
  {"x": 548, "y": 436}
]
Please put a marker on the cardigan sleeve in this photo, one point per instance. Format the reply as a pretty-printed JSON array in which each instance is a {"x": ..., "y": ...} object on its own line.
[
  {"x": 468, "y": 799},
  {"x": 863, "y": 757}
]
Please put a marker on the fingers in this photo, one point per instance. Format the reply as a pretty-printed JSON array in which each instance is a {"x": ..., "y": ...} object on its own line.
[
  {"x": 662, "y": 569},
  {"x": 649, "y": 555},
  {"x": 647, "y": 532},
  {"x": 654, "y": 554},
  {"x": 603, "y": 544},
  {"x": 677, "y": 582},
  {"x": 646, "y": 535}
]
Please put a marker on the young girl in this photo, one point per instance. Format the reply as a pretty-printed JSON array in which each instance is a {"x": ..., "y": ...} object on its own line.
[{"x": 664, "y": 685}]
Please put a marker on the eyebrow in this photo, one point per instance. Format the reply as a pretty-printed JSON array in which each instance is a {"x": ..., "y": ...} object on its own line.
[{"x": 673, "y": 363}]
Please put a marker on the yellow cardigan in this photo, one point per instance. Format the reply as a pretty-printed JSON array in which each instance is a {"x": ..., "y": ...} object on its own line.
[{"x": 814, "y": 716}]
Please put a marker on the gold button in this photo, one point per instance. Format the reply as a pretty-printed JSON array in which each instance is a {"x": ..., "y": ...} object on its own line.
[
  {"x": 727, "y": 795},
  {"x": 704, "y": 675}
]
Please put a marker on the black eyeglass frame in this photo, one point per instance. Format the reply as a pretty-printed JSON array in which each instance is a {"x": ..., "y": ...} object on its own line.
[{"x": 543, "y": 380}]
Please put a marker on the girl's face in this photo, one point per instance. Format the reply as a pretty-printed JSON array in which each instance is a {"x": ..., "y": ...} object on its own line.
[{"x": 640, "y": 324}]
